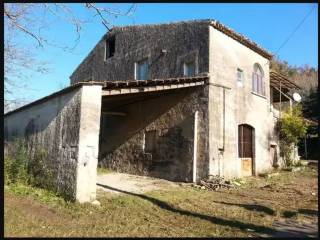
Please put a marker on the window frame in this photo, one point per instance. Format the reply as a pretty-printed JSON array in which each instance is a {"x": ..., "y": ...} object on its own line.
[
  {"x": 137, "y": 70},
  {"x": 258, "y": 80},
  {"x": 185, "y": 67},
  {"x": 240, "y": 81}
]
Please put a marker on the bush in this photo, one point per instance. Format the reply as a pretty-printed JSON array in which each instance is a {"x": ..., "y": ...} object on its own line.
[
  {"x": 15, "y": 164},
  {"x": 292, "y": 127},
  {"x": 40, "y": 174},
  {"x": 19, "y": 168}
]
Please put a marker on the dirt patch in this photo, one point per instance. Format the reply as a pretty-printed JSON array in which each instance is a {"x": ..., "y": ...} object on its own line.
[
  {"x": 30, "y": 208},
  {"x": 118, "y": 183}
]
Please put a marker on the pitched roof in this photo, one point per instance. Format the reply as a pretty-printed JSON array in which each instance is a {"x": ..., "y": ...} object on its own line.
[{"x": 217, "y": 25}]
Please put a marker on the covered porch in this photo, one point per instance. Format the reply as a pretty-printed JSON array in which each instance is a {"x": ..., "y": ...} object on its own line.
[{"x": 149, "y": 127}]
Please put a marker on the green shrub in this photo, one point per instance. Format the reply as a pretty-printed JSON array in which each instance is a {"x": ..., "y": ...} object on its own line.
[
  {"x": 19, "y": 168},
  {"x": 15, "y": 164},
  {"x": 40, "y": 174},
  {"x": 292, "y": 127}
]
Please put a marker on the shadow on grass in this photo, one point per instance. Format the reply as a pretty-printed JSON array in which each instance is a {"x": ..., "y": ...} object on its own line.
[
  {"x": 289, "y": 214},
  {"x": 215, "y": 220},
  {"x": 252, "y": 207},
  {"x": 308, "y": 211},
  {"x": 292, "y": 229}
]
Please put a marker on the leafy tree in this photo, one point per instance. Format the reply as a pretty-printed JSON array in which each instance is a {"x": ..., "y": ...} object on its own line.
[{"x": 310, "y": 108}]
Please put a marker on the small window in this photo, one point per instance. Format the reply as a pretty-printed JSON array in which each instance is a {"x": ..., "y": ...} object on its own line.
[
  {"x": 189, "y": 69},
  {"x": 150, "y": 141},
  {"x": 142, "y": 70},
  {"x": 239, "y": 77},
  {"x": 110, "y": 47}
]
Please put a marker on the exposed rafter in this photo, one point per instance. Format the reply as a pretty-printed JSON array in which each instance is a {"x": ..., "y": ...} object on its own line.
[{"x": 276, "y": 79}]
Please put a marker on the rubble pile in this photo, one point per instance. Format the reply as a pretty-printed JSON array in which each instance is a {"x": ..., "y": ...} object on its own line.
[{"x": 214, "y": 182}]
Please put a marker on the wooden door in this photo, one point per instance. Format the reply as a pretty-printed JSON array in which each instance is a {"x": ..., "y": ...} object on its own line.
[{"x": 246, "y": 149}]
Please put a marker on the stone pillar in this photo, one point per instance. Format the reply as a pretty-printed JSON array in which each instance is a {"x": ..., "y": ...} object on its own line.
[{"x": 88, "y": 143}]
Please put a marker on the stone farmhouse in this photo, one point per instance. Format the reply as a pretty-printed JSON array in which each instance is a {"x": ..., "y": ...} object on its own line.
[{"x": 178, "y": 101}]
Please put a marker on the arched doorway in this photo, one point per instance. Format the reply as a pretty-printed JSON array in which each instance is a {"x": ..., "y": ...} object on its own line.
[{"x": 246, "y": 149}]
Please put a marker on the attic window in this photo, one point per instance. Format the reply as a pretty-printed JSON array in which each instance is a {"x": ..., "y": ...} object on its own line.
[
  {"x": 110, "y": 47},
  {"x": 142, "y": 70},
  {"x": 189, "y": 69}
]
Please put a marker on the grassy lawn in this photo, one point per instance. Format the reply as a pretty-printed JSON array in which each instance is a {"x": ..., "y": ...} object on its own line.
[{"x": 175, "y": 211}]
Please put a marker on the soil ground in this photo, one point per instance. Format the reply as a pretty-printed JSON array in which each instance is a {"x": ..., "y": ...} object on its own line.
[
  {"x": 282, "y": 205},
  {"x": 131, "y": 183}
]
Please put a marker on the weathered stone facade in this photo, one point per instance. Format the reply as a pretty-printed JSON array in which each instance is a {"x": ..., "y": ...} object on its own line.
[
  {"x": 224, "y": 106},
  {"x": 182, "y": 134},
  {"x": 241, "y": 106},
  {"x": 183, "y": 41},
  {"x": 57, "y": 124}
]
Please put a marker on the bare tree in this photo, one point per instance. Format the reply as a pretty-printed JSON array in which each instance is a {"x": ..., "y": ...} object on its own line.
[{"x": 31, "y": 22}]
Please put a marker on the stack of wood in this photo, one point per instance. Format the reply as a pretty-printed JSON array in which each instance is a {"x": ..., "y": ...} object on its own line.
[{"x": 215, "y": 183}]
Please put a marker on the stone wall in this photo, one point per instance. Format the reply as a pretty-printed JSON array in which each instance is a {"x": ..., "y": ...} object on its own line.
[
  {"x": 171, "y": 115},
  {"x": 224, "y": 110},
  {"x": 240, "y": 104},
  {"x": 183, "y": 41},
  {"x": 57, "y": 124}
]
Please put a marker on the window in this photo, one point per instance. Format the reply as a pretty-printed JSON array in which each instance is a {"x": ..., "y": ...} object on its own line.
[
  {"x": 258, "y": 80},
  {"x": 142, "y": 70},
  {"x": 239, "y": 77},
  {"x": 189, "y": 69},
  {"x": 150, "y": 141},
  {"x": 110, "y": 47}
]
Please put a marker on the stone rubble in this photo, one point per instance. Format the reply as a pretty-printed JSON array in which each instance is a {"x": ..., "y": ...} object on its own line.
[{"x": 214, "y": 182}]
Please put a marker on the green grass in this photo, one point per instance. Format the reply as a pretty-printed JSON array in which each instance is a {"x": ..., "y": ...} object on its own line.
[
  {"x": 40, "y": 194},
  {"x": 103, "y": 170},
  {"x": 181, "y": 211}
]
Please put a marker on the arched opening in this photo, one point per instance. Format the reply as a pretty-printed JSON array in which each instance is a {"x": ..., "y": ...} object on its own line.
[
  {"x": 258, "y": 85},
  {"x": 246, "y": 140}
]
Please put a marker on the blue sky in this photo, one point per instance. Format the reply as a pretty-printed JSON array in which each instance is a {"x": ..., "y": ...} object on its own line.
[{"x": 267, "y": 24}]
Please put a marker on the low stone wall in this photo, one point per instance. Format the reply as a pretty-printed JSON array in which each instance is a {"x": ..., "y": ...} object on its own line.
[{"x": 58, "y": 124}]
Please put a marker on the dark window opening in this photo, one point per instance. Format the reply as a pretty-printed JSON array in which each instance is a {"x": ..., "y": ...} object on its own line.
[
  {"x": 150, "y": 141},
  {"x": 110, "y": 47}
]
